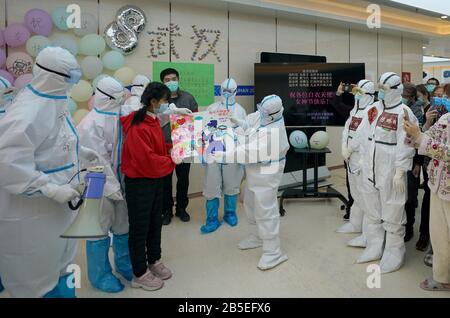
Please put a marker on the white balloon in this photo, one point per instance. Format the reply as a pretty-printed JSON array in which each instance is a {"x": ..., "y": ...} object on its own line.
[
  {"x": 319, "y": 140},
  {"x": 91, "y": 66}
]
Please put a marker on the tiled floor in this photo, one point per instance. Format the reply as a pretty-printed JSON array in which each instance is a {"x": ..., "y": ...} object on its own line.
[{"x": 319, "y": 265}]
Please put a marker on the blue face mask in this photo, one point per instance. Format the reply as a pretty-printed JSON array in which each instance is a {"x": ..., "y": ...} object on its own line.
[
  {"x": 430, "y": 88},
  {"x": 173, "y": 86},
  {"x": 381, "y": 95},
  {"x": 405, "y": 101},
  {"x": 358, "y": 97},
  {"x": 437, "y": 101},
  {"x": 162, "y": 108},
  {"x": 446, "y": 103},
  {"x": 74, "y": 76}
]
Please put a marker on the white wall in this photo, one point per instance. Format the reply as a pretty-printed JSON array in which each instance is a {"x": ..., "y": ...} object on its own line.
[{"x": 243, "y": 37}]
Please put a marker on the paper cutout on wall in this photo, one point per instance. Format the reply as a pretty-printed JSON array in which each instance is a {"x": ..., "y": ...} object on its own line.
[
  {"x": 201, "y": 134},
  {"x": 195, "y": 78}
]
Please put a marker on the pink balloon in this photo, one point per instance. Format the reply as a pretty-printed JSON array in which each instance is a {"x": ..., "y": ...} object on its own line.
[
  {"x": 23, "y": 80},
  {"x": 39, "y": 21},
  {"x": 19, "y": 63},
  {"x": 8, "y": 76},
  {"x": 91, "y": 103},
  {"x": 16, "y": 34},
  {"x": 2, "y": 57},
  {"x": 2, "y": 39}
]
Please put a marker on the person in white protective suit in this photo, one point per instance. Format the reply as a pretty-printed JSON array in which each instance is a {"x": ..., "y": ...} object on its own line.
[
  {"x": 39, "y": 157},
  {"x": 386, "y": 161},
  {"x": 133, "y": 103},
  {"x": 6, "y": 95},
  {"x": 223, "y": 178},
  {"x": 100, "y": 130},
  {"x": 364, "y": 94},
  {"x": 262, "y": 148}
]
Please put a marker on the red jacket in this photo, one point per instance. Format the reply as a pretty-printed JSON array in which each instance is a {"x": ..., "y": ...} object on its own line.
[{"x": 145, "y": 154}]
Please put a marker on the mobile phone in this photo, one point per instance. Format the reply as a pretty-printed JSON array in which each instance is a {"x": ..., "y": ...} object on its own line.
[{"x": 405, "y": 112}]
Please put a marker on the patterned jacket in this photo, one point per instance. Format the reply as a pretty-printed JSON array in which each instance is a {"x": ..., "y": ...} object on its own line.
[{"x": 434, "y": 143}]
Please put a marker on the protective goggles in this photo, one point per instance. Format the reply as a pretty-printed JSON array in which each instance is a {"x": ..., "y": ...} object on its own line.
[
  {"x": 384, "y": 87},
  {"x": 228, "y": 91},
  {"x": 358, "y": 91},
  {"x": 73, "y": 77},
  {"x": 116, "y": 96},
  {"x": 263, "y": 111}
]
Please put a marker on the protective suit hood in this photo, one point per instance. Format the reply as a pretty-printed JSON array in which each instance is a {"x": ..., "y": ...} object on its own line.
[
  {"x": 367, "y": 88},
  {"x": 109, "y": 95},
  {"x": 270, "y": 109},
  {"x": 228, "y": 91},
  {"x": 391, "y": 84},
  {"x": 139, "y": 84},
  {"x": 58, "y": 60},
  {"x": 5, "y": 86}
]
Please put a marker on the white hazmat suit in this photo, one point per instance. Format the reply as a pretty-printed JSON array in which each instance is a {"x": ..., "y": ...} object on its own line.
[
  {"x": 100, "y": 130},
  {"x": 133, "y": 103},
  {"x": 39, "y": 150},
  {"x": 386, "y": 161},
  {"x": 262, "y": 148},
  {"x": 223, "y": 178},
  {"x": 351, "y": 151}
]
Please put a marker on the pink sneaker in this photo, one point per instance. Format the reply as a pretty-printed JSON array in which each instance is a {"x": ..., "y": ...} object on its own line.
[
  {"x": 160, "y": 271},
  {"x": 148, "y": 281}
]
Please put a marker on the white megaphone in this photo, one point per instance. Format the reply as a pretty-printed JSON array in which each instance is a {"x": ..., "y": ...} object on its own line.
[{"x": 87, "y": 222}]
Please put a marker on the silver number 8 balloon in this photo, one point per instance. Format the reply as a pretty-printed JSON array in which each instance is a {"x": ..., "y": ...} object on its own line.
[{"x": 122, "y": 34}]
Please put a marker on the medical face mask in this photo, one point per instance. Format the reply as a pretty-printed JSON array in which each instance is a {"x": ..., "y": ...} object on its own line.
[
  {"x": 406, "y": 101},
  {"x": 162, "y": 108},
  {"x": 430, "y": 88},
  {"x": 173, "y": 86},
  {"x": 358, "y": 97},
  {"x": 381, "y": 95},
  {"x": 437, "y": 101},
  {"x": 420, "y": 101},
  {"x": 446, "y": 103}
]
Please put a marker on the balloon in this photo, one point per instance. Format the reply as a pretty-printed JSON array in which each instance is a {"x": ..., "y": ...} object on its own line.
[
  {"x": 91, "y": 103},
  {"x": 82, "y": 91},
  {"x": 23, "y": 80},
  {"x": 19, "y": 63},
  {"x": 79, "y": 115},
  {"x": 2, "y": 57},
  {"x": 298, "y": 139},
  {"x": 8, "y": 76},
  {"x": 72, "y": 106},
  {"x": 92, "y": 44},
  {"x": 67, "y": 43},
  {"x": 97, "y": 79},
  {"x": 125, "y": 75},
  {"x": 319, "y": 140},
  {"x": 16, "y": 34},
  {"x": 89, "y": 24},
  {"x": 59, "y": 17},
  {"x": 39, "y": 22},
  {"x": 36, "y": 43},
  {"x": 113, "y": 60},
  {"x": 2, "y": 39},
  {"x": 91, "y": 66}
]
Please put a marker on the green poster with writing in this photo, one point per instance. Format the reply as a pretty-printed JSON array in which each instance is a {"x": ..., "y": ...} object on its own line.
[{"x": 195, "y": 78}]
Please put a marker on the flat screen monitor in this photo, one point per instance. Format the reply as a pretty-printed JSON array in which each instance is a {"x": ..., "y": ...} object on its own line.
[
  {"x": 308, "y": 90},
  {"x": 272, "y": 57}
]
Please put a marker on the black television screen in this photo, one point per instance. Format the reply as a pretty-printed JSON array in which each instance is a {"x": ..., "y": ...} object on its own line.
[
  {"x": 272, "y": 57},
  {"x": 308, "y": 90}
]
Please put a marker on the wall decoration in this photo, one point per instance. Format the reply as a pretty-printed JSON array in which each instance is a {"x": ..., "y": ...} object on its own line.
[
  {"x": 122, "y": 34},
  {"x": 19, "y": 63},
  {"x": 202, "y": 39},
  {"x": 39, "y": 22}
]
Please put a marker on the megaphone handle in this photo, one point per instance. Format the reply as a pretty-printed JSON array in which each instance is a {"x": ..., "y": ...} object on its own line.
[{"x": 76, "y": 206}]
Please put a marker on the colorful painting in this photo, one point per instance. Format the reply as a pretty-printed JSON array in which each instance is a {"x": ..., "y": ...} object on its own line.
[{"x": 200, "y": 134}]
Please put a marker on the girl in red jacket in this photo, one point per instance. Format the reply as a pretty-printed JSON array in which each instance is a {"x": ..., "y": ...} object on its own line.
[{"x": 145, "y": 163}]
